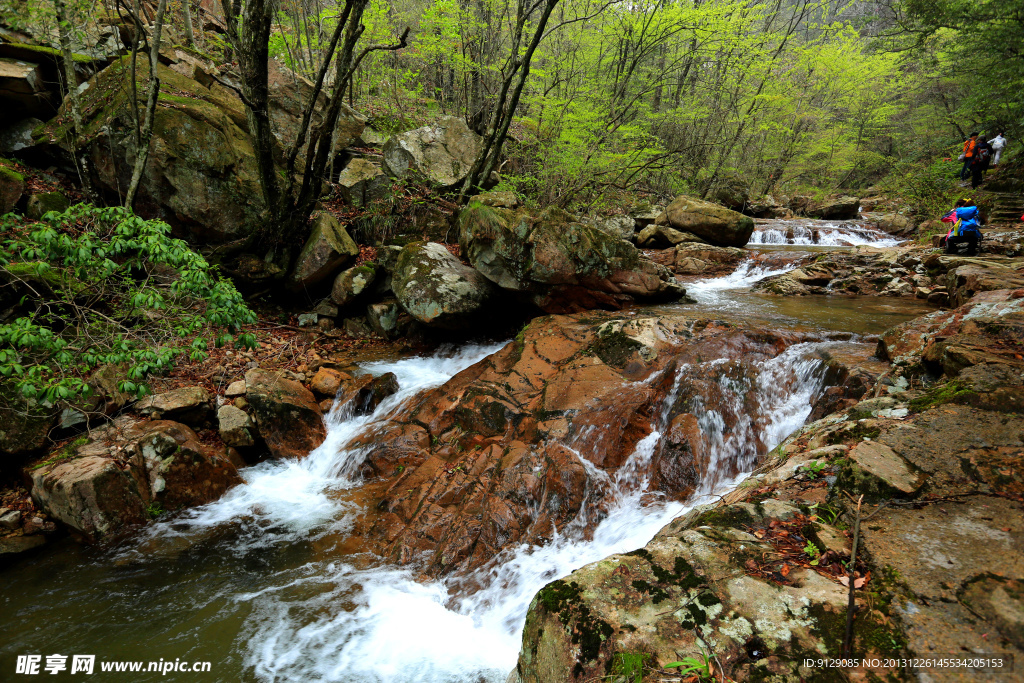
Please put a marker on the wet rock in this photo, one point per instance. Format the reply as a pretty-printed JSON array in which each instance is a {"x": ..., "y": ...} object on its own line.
[
  {"x": 12, "y": 186},
  {"x": 493, "y": 470},
  {"x": 712, "y": 223},
  {"x": 838, "y": 208},
  {"x": 328, "y": 248},
  {"x": 190, "y": 405},
  {"x": 9, "y": 519},
  {"x": 12, "y": 545},
  {"x": 362, "y": 182},
  {"x": 442, "y": 153},
  {"x": 180, "y": 470},
  {"x": 683, "y": 593},
  {"x": 327, "y": 381},
  {"x": 698, "y": 258},
  {"x": 964, "y": 281},
  {"x": 561, "y": 265},
  {"x": 351, "y": 283},
  {"x": 41, "y": 204},
  {"x": 363, "y": 394},
  {"x": 235, "y": 427},
  {"x": 437, "y": 289},
  {"x": 286, "y": 413}
]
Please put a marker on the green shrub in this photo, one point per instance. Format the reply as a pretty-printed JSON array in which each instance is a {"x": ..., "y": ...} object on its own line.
[{"x": 100, "y": 286}]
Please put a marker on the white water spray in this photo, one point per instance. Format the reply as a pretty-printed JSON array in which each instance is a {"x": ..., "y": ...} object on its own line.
[
  {"x": 332, "y": 621},
  {"x": 820, "y": 233}
]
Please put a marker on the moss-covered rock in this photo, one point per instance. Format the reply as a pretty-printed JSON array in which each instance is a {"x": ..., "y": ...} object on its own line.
[
  {"x": 437, "y": 289},
  {"x": 41, "y": 204},
  {"x": 563, "y": 265},
  {"x": 12, "y": 186},
  {"x": 712, "y": 223},
  {"x": 352, "y": 282}
]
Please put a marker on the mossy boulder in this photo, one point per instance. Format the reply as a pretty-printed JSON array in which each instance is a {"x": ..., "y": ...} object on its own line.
[
  {"x": 561, "y": 264},
  {"x": 352, "y": 282},
  {"x": 201, "y": 174},
  {"x": 25, "y": 427},
  {"x": 328, "y": 248},
  {"x": 441, "y": 153},
  {"x": 12, "y": 186},
  {"x": 41, "y": 204},
  {"x": 712, "y": 223},
  {"x": 437, "y": 289}
]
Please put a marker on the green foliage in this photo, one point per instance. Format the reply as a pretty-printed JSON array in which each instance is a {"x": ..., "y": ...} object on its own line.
[
  {"x": 94, "y": 287},
  {"x": 812, "y": 470},
  {"x": 930, "y": 188},
  {"x": 154, "y": 509},
  {"x": 630, "y": 665},
  {"x": 812, "y": 551},
  {"x": 699, "y": 667}
]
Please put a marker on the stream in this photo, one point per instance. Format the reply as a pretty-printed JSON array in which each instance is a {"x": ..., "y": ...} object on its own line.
[{"x": 262, "y": 584}]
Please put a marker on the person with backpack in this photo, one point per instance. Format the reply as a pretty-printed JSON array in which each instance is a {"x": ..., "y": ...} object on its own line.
[
  {"x": 967, "y": 156},
  {"x": 997, "y": 143},
  {"x": 964, "y": 228},
  {"x": 979, "y": 162}
]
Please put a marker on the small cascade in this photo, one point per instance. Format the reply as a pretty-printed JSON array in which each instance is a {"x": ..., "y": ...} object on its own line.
[
  {"x": 336, "y": 622},
  {"x": 818, "y": 233}
]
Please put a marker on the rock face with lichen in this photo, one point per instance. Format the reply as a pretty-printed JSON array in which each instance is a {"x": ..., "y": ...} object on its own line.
[
  {"x": 201, "y": 174},
  {"x": 442, "y": 153},
  {"x": 437, "y": 289},
  {"x": 559, "y": 264}
]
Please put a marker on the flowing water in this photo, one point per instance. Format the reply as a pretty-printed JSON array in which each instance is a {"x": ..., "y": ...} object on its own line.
[
  {"x": 804, "y": 231},
  {"x": 262, "y": 584}
]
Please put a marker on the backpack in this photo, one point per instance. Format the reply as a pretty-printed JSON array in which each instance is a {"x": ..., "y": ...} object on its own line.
[{"x": 981, "y": 154}]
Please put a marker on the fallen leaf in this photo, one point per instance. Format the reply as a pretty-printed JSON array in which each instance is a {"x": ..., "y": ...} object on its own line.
[
  {"x": 751, "y": 565},
  {"x": 859, "y": 583},
  {"x": 1006, "y": 528},
  {"x": 785, "y": 570},
  {"x": 783, "y": 533},
  {"x": 759, "y": 533}
]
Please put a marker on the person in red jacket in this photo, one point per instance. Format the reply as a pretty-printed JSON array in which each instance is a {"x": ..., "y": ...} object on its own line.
[{"x": 968, "y": 155}]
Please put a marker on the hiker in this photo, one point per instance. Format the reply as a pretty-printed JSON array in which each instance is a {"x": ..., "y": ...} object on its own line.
[
  {"x": 979, "y": 162},
  {"x": 964, "y": 229},
  {"x": 967, "y": 156},
  {"x": 997, "y": 143}
]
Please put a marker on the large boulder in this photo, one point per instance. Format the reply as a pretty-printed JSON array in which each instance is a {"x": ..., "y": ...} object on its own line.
[
  {"x": 25, "y": 427},
  {"x": 286, "y": 412},
  {"x": 661, "y": 236},
  {"x": 623, "y": 227},
  {"x": 712, "y": 223},
  {"x": 561, "y": 265},
  {"x": 442, "y": 153},
  {"x": 836, "y": 208},
  {"x": 190, "y": 405},
  {"x": 128, "y": 471},
  {"x": 437, "y": 289},
  {"x": 328, "y": 248},
  {"x": 201, "y": 174}
]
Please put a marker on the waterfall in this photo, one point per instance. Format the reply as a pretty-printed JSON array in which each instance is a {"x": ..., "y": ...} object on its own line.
[
  {"x": 342, "y": 621},
  {"x": 821, "y": 233}
]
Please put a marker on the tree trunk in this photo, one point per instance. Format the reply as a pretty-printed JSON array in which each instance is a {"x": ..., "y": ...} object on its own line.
[
  {"x": 152, "y": 93},
  {"x": 71, "y": 87}
]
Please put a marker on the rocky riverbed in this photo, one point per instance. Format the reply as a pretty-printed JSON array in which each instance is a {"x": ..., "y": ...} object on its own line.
[{"x": 460, "y": 511}]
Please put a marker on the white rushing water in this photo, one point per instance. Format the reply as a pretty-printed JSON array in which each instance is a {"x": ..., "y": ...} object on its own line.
[
  {"x": 820, "y": 233},
  {"x": 335, "y": 621}
]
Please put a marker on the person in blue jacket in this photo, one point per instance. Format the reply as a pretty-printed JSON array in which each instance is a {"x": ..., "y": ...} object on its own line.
[{"x": 965, "y": 229}]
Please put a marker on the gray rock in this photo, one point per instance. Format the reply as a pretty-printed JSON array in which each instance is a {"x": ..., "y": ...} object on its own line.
[
  {"x": 308, "y": 319},
  {"x": 662, "y": 236},
  {"x": 362, "y": 182},
  {"x": 9, "y": 519},
  {"x": 436, "y": 289},
  {"x": 712, "y": 223},
  {"x": 357, "y": 328},
  {"x": 187, "y": 404},
  {"x": 623, "y": 227},
  {"x": 383, "y": 317},
  {"x": 235, "y": 389},
  {"x": 328, "y": 248},
  {"x": 443, "y": 153},
  {"x": 883, "y": 463},
  {"x": 351, "y": 283},
  {"x": 235, "y": 426}
]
